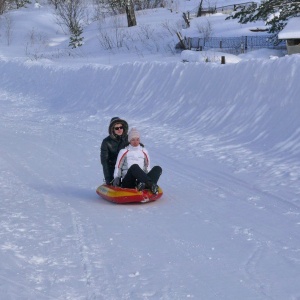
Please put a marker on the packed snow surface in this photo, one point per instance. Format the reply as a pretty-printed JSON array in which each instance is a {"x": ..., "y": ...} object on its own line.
[{"x": 228, "y": 140}]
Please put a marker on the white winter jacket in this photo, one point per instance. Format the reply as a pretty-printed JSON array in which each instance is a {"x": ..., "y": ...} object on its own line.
[{"x": 129, "y": 156}]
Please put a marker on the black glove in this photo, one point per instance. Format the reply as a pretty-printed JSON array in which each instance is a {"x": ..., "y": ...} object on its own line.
[{"x": 116, "y": 181}]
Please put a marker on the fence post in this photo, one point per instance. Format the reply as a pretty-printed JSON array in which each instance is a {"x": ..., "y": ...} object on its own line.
[
  {"x": 220, "y": 44},
  {"x": 222, "y": 60},
  {"x": 181, "y": 40},
  {"x": 186, "y": 20}
]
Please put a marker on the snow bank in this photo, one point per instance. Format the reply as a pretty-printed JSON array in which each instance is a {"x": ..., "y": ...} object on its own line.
[
  {"x": 252, "y": 103},
  {"x": 208, "y": 56}
]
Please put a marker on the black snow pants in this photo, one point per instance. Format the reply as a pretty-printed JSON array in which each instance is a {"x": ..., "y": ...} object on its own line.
[{"x": 136, "y": 175}]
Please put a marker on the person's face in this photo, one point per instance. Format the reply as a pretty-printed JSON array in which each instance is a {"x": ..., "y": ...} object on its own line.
[
  {"x": 135, "y": 142},
  {"x": 118, "y": 129}
]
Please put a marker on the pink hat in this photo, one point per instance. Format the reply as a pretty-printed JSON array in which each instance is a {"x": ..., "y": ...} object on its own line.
[{"x": 133, "y": 133}]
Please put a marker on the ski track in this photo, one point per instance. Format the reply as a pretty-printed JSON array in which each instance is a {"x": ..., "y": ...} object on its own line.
[
  {"x": 47, "y": 266},
  {"x": 222, "y": 185}
]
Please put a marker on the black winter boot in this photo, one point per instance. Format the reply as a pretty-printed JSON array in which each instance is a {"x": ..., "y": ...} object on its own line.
[
  {"x": 141, "y": 186},
  {"x": 154, "y": 188}
]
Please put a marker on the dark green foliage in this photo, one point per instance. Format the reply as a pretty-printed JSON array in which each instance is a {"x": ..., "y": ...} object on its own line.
[
  {"x": 245, "y": 14},
  {"x": 12, "y": 4},
  {"x": 275, "y": 13},
  {"x": 76, "y": 38},
  {"x": 21, "y": 3}
]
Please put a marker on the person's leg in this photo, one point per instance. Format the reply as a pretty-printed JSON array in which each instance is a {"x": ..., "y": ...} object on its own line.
[
  {"x": 155, "y": 173},
  {"x": 134, "y": 173}
]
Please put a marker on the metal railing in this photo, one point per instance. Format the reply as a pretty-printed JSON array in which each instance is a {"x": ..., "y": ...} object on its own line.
[
  {"x": 193, "y": 13},
  {"x": 233, "y": 44}
]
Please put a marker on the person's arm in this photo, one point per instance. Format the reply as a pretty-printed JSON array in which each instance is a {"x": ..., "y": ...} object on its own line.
[
  {"x": 119, "y": 163},
  {"x": 147, "y": 167},
  {"x": 104, "y": 154}
]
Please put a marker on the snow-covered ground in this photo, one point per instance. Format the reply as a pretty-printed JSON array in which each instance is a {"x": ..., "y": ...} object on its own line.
[{"x": 226, "y": 136}]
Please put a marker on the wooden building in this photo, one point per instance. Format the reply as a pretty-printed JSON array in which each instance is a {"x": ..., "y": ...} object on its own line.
[{"x": 291, "y": 33}]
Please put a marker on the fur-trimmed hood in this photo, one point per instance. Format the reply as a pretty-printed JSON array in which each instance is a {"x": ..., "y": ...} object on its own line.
[{"x": 117, "y": 120}]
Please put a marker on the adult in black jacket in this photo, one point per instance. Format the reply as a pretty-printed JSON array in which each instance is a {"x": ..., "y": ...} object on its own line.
[{"x": 111, "y": 145}]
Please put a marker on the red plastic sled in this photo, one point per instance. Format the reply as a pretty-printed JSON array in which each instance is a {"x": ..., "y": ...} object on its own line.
[{"x": 122, "y": 195}]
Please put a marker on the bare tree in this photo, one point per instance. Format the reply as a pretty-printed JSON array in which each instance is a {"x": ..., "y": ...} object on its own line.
[
  {"x": 209, "y": 8},
  {"x": 70, "y": 13},
  {"x": 205, "y": 30},
  {"x": 3, "y": 6},
  {"x": 199, "y": 13},
  {"x": 121, "y": 6},
  {"x": 145, "y": 4},
  {"x": 131, "y": 19},
  {"x": 8, "y": 28},
  {"x": 55, "y": 2}
]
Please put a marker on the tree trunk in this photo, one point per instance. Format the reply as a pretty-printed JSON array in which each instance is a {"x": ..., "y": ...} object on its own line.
[
  {"x": 130, "y": 13},
  {"x": 199, "y": 13}
]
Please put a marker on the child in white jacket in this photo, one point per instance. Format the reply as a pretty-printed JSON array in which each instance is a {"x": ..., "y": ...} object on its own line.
[{"x": 133, "y": 166}]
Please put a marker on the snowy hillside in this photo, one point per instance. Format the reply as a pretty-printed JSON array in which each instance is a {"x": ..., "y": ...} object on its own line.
[{"x": 228, "y": 140}]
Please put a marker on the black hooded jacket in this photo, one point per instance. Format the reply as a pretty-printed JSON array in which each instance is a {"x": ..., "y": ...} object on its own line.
[{"x": 110, "y": 148}]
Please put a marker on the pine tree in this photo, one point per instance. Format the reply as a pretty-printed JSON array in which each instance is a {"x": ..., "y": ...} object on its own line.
[
  {"x": 21, "y": 3},
  {"x": 274, "y": 12},
  {"x": 76, "y": 38}
]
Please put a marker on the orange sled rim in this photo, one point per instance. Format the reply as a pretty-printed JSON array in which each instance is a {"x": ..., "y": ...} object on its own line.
[{"x": 123, "y": 195}]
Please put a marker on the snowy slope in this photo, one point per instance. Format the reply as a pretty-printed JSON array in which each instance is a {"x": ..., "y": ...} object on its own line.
[
  {"x": 228, "y": 224},
  {"x": 227, "y": 138}
]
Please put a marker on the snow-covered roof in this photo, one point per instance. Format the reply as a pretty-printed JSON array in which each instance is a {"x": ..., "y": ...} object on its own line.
[{"x": 291, "y": 30}]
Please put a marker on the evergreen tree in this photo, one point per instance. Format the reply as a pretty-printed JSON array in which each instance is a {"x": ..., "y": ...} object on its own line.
[
  {"x": 76, "y": 38},
  {"x": 21, "y": 3},
  {"x": 70, "y": 13},
  {"x": 274, "y": 12},
  {"x": 12, "y": 4}
]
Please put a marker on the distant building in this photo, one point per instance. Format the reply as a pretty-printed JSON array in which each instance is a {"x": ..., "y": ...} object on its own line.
[{"x": 291, "y": 33}]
